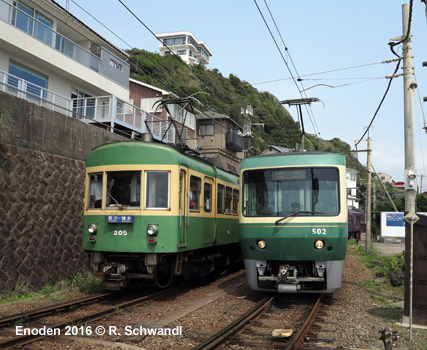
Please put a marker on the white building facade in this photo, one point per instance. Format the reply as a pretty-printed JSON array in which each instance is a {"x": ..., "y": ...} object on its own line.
[
  {"x": 185, "y": 45},
  {"x": 351, "y": 180}
]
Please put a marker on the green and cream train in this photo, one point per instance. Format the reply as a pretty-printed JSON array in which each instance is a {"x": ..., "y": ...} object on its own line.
[
  {"x": 153, "y": 213},
  {"x": 293, "y": 221}
]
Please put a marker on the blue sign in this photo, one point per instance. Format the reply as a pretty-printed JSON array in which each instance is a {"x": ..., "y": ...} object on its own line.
[
  {"x": 395, "y": 219},
  {"x": 122, "y": 219}
]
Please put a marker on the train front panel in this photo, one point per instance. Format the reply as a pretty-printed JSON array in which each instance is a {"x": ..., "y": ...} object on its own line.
[
  {"x": 293, "y": 226},
  {"x": 151, "y": 212}
]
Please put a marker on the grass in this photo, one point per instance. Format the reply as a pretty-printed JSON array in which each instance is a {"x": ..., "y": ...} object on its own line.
[
  {"x": 381, "y": 290},
  {"x": 83, "y": 282}
]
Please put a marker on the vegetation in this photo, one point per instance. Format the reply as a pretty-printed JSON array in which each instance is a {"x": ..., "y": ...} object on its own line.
[
  {"x": 6, "y": 123},
  {"x": 83, "y": 282},
  {"x": 273, "y": 123},
  {"x": 389, "y": 298}
]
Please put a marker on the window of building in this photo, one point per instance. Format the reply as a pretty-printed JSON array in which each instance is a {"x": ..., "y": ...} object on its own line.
[
  {"x": 39, "y": 28},
  {"x": 36, "y": 82},
  {"x": 116, "y": 65},
  {"x": 82, "y": 105},
  {"x": 195, "y": 189},
  {"x": 206, "y": 130},
  {"x": 174, "y": 41},
  {"x": 181, "y": 52}
]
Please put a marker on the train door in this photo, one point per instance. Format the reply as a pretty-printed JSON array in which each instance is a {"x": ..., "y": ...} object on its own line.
[
  {"x": 209, "y": 226},
  {"x": 183, "y": 208}
]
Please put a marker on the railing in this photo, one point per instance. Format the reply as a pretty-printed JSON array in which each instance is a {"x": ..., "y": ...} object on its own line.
[
  {"x": 105, "y": 111},
  {"x": 234, "y": 142},
  {"x": 33, "y": 93},
  {"x": 105, "y": 65}
]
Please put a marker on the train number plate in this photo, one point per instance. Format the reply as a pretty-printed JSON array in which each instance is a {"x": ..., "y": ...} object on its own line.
[
  {"x": 318, "y": 231},
  {"x": 120, "y": 232}
]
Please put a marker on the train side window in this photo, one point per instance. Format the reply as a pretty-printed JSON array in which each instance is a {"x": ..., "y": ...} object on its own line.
[
  {"x": 221, "y": 198},
  {"x": 195, "y": 188},
  {"x": 235, "y": 202},
  {"x": 157, "y": 189},
  {"x": 207, "y": 197},
  {"x": 228, "y": 200},
  {"x": 94, "y": 200}
]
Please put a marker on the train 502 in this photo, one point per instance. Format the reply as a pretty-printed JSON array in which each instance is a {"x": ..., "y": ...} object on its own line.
[
  {"x": 153, "y": 213},
  {"x": 293, "y": 222}
]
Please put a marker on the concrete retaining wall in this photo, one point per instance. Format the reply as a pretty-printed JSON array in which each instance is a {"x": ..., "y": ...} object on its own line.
[{"x": 42, "y": 165}]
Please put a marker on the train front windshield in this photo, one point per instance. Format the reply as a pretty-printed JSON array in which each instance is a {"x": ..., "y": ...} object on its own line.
[{"x": 282, "y": 192}]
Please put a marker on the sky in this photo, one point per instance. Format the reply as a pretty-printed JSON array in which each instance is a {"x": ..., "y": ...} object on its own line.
[{"x": 337, "y": 44}]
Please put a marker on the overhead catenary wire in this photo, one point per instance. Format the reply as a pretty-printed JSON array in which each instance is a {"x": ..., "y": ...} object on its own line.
[
  {"x": 142, "y": 68},
  {"x": 392, "y": 45},
  {"x": 283, "y": 58}
]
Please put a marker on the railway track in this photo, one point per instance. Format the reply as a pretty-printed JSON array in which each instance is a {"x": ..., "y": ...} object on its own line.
[
  {"x": 12, "y": 337},
  {"x": 257, "y": 328}
]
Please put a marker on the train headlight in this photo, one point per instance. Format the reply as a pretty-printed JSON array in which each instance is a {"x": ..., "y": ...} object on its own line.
[
  {"x": 319, "y": 244},
  {"x": 92, "y": 229},
  {"x": 261, "y": 244},
  {"x": 151, "y": 230}
]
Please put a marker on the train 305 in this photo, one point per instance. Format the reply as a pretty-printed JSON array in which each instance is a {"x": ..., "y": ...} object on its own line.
[
  {"x": 293, "y": 222},
  {"x": 153, "y": 213}
]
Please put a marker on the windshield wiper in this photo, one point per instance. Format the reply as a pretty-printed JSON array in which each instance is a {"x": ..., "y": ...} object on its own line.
[{"x": 298, "y": 212}]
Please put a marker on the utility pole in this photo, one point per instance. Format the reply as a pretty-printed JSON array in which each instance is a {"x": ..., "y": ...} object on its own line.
[
  {"x": 368, "y": 196},
  {"x": 368, "y": 201},
  {"x": 410, "y": 171}
]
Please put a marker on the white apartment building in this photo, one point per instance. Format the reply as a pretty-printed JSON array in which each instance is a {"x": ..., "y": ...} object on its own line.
[
  {"x": 49, "y": 57},
  {"x": 351, "y": 180},
  {"x": 184, "y": 44}
]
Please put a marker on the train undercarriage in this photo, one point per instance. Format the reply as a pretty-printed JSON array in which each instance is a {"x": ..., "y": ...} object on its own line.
[{"x": 121, "y": 270}]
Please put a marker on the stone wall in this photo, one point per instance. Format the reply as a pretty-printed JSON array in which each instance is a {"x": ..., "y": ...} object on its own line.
[{"x": 42, "y": 166}]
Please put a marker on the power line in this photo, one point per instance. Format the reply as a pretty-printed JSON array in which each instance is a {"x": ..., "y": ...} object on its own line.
[{"x": 283, "y": 58}]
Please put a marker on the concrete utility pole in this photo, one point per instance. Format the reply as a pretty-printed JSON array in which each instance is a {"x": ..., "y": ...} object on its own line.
[
  {"x": 410, "y": 171},
  {"x": 408, "y": 90}
]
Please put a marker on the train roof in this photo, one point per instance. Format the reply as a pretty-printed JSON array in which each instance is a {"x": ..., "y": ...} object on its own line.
[
  {"x": 293, "y": 158},
  {"x": 140, "y": 152}
]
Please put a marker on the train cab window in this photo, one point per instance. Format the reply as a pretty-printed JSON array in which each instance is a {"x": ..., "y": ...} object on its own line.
[
  {"x": 157, "y": 189},
  {"x": 228, "y": 200},
  {"x": 95, "y": 191},
  {"x": 235, "y": 202},
  {"x": 195, "y": 189},
  {"x": 274, "y": 192},
  {"x": 207, "y": 198},
  {"x": 123, "y": 189},
  {"x": 221, "y": 199}
]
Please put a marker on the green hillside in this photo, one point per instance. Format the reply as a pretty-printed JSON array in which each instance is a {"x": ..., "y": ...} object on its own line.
[{"x": 227, "y": 95}]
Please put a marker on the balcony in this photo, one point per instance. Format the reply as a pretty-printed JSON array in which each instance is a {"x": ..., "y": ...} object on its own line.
[
  {"x": 108, "y": 112},
  {"x": 234, "y": 142},
  {"x": 103, "y": 62}
]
